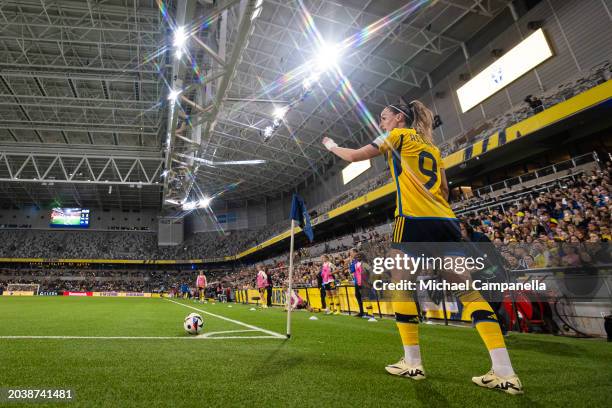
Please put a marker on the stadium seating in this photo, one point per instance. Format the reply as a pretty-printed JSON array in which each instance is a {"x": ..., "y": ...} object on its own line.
[
  {"x": 537, "y": 179},
  {"x": 573, "y": 209},
  {"x": 143, "y": 245}
]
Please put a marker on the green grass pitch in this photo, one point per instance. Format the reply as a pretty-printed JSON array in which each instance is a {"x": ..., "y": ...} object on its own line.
[{"x": 334, "y": 361}]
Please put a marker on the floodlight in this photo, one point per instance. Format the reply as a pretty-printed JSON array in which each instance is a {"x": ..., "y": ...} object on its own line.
[
  {"x": 267, "y": 132},
  {"x": 280, "y": 112},
  {"x": 180, "y": 38},
  {"x": 174, "y": 93},
  {"x": 327, "y": 57}
]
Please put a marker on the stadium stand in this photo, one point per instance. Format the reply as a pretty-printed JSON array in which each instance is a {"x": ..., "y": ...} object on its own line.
[
  {"x": 499, "y": 191},
  {"x": 573, "y": 209},
  {"x": 140, "y": 245}
]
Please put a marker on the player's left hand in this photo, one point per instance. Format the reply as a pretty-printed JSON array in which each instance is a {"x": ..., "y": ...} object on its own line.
[{"x": 329, "y": 143}]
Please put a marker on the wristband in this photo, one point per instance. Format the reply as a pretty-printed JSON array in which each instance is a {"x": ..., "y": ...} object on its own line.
[{"x": 330, "y": 144}]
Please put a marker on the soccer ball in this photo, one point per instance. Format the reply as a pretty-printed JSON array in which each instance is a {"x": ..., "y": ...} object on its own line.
[{"x": 193, "y": 323}]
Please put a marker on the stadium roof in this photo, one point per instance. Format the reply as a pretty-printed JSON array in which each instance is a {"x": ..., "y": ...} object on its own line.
[{"x": 87, "y": 116}]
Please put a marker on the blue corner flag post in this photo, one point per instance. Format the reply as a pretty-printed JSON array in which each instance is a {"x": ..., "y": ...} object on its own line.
[{"x": 299, "y": 214}]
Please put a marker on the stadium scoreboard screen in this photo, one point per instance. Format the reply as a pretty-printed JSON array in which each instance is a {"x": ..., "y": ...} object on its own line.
[{"x": 69, "y": 218}]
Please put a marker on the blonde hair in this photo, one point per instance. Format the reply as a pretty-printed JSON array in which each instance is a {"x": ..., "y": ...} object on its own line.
[
  {"x": 417, "y": 116},
  {"x": 423, "y": 120}
]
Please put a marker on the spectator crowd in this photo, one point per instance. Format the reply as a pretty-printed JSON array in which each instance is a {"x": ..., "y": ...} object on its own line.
[{"x": 561, "y": 227}]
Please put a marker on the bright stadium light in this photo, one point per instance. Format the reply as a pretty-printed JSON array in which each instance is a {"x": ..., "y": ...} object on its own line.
[
  {"x": 310, "y": 81},
  {"x": 174, "y": 93},
  {"x": 221, "y": 163},
  {"x": 327, "y": 57},
  {"x": 280, "y": 112},
  {"x": 204, "y": 202},
  {"x": 193, "y": 205},
  {"x": 189, "y": 206},
  {"x": 267, "y": 132},
  {"x": 257, "y": 9},
  {"x": 307, "y": 84},
  {"x": 180, "y": 38},
  {"x": 239, "y": 162}
]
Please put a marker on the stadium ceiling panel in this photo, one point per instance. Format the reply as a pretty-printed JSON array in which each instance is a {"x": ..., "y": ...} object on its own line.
[{"x": 104, "y": 79}]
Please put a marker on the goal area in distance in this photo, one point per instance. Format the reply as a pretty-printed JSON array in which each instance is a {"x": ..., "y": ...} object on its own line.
[{"x": 23, "y": 288}]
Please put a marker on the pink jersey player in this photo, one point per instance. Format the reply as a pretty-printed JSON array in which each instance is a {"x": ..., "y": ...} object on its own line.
[
  {"x": 201, "y": 281},
  {"x": 358, "y": 273},
  {"x": 262, "y": 280},
  {"x": 326, "y": 273}
]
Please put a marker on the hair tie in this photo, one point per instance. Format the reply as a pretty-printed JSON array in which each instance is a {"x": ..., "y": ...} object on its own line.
[{"x": 408, "y": 113}]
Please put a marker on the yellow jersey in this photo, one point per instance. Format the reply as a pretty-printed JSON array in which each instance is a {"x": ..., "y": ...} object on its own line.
[{"x": 416, "y": 166}]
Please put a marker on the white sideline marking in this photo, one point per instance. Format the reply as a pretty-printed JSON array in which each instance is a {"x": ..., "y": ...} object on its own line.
[
  {"x": 250, "y": 326},
  {"x": 200, "y": 337}
]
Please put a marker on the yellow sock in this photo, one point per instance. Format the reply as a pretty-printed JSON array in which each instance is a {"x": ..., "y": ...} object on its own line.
[
  {"x": 484, "y": 319},
  {"x": 406, "y": 318},
  {"x": 491, "y": 334},
  {"x": 406, "y": 308},
  {"x": 409, "y": 332}
]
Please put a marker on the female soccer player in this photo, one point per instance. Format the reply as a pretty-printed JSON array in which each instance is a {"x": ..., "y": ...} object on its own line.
[
  {"x": 423, "y": 215},
  {"x": 201, "y": 285},
  {"x": 329, "y": 285},
  {"x": 262, "y": 283},
  {"x": 356, "y": 270}
]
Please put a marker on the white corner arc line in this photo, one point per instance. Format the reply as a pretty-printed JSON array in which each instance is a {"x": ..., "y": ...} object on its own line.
[
  {"x": 238, "y": 322},
  {"x": 210, "y": 334}
]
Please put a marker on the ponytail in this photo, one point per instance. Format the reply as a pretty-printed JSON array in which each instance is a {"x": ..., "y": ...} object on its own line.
[
  {"x": 418, "y": 117},
  {"x": 423, "y": 120}
]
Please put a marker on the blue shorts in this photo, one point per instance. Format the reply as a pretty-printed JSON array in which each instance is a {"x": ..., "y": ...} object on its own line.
[{"x": 426, "y": 230}]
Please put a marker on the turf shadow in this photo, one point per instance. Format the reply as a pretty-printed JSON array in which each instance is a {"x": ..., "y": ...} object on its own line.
[
  {"x": 428, "y": 396},
  {"x": 553, "y": 348},
  {"x": 277, "y": 363},
  {"x": 524, "y": 400}
]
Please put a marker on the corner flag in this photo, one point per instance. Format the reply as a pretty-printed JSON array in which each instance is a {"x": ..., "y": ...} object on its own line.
[{"x": 299, "y": 213}]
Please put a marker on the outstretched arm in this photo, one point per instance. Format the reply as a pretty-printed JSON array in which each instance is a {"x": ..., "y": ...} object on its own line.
[{"x": 351, "y": 155}]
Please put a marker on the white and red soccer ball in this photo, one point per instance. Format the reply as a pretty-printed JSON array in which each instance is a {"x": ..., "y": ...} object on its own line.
[{"x": 193, "y": 323}]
